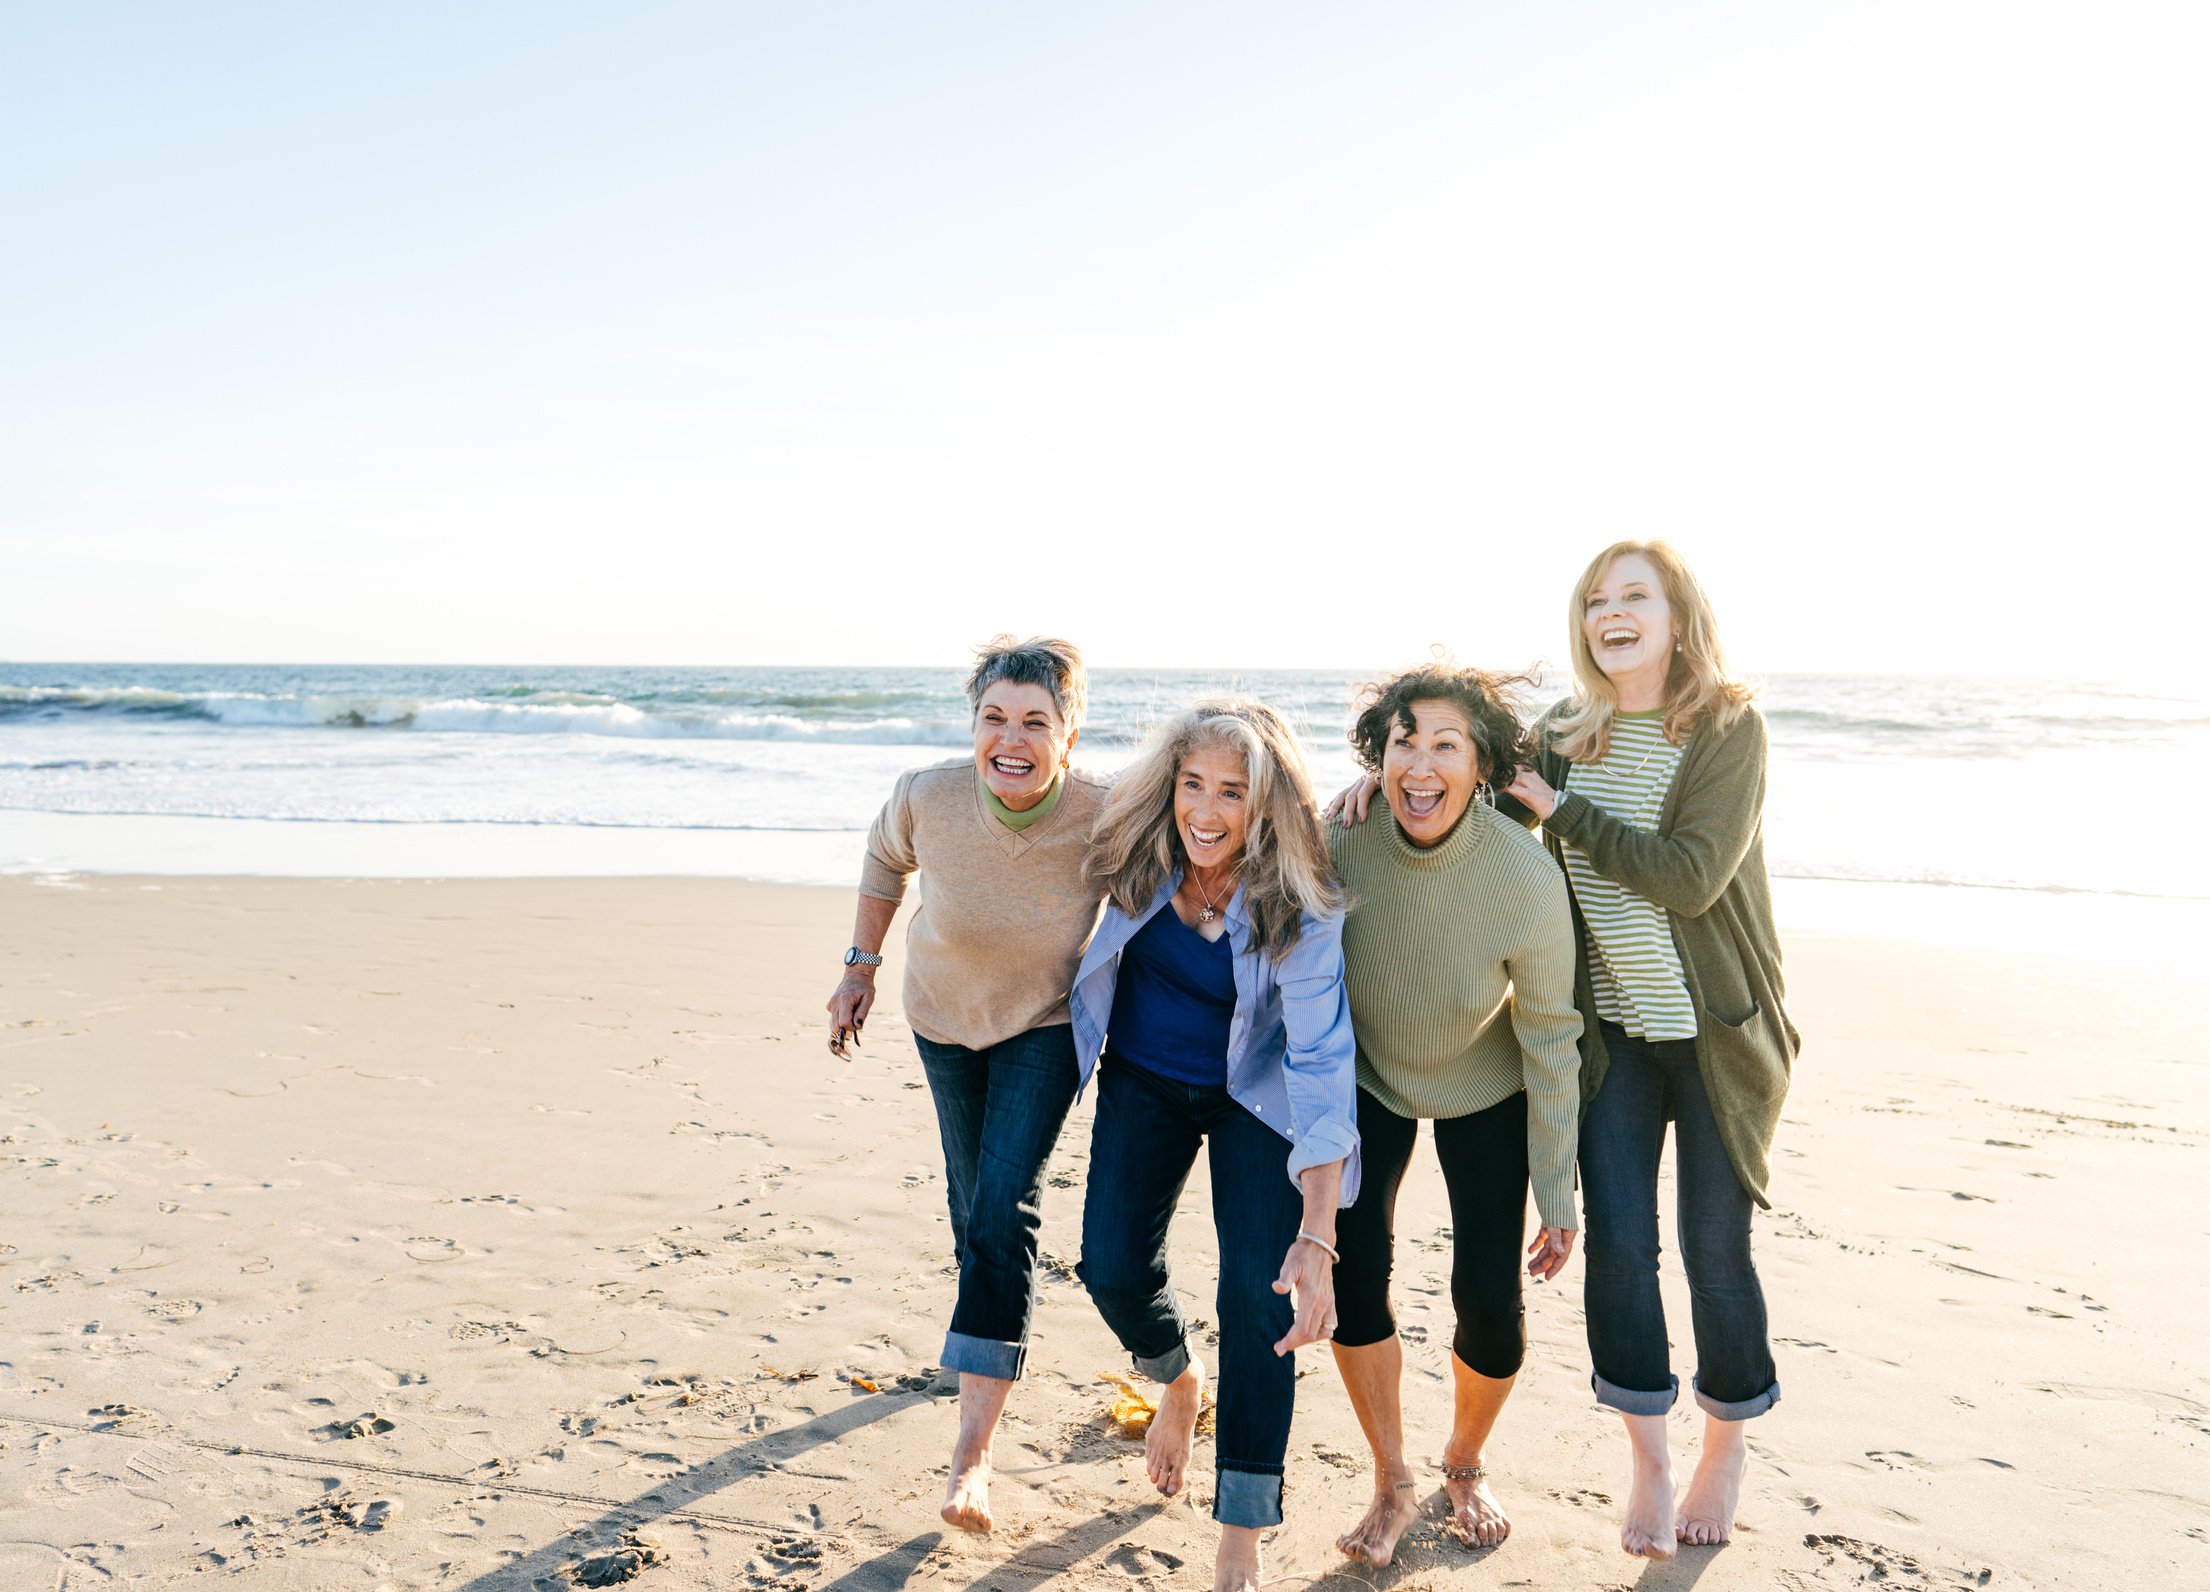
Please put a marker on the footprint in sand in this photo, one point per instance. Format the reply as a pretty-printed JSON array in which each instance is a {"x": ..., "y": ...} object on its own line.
[
  {"x": 1135, "y": 1559},
  {"x": 173, "y": 1309},
  {"x": 1583, "y": 1498},
  {"x": 626, "y": 1561},
  {"x": 355, "y": 1514},
  {"x": 369, "y": 1424},
  {"x": 1895, "y": 1458}
]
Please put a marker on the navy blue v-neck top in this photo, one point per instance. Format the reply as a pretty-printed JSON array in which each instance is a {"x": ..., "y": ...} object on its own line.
[{"x": 1175, "y": 1001}]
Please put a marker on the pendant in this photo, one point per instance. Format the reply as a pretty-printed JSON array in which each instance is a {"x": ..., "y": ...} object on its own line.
[{"x": 1206, "y": 914}]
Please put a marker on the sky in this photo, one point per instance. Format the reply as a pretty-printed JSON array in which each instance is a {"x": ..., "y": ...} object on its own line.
[{"x": 1205, "y": 334}]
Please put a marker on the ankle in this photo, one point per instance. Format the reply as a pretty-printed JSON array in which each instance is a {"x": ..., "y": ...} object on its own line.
[{"x": 1725, "y": 1439}]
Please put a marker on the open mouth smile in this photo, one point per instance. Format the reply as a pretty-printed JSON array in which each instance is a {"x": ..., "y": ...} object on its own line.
[
  {"x": 1013, "y": 767},
  {"x": 1422, "y": 803},
  {"x": 1207, "y": 838},
  {"x": 1618, "y": 640}
]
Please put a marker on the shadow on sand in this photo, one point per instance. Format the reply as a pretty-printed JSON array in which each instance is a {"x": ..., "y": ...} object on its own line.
[{"x": 689, "y": 1490}]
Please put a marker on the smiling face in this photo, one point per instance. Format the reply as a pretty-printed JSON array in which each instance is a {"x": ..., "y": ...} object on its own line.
[
  {"x": 1431, "y": 771},
  {"x": 1021, "y": 743},
  {"x": 1629, "y": 626},
  {"x": 1212, "y": 796}
]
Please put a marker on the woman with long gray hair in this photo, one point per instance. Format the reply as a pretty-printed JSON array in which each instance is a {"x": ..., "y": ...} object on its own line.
[
  {"x": 1211, "y": 1006},
  {"x": 1001, "y": 838}
]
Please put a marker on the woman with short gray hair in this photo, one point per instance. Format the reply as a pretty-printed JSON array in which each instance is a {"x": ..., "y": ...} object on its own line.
[{"x": 1002, "y": 839}]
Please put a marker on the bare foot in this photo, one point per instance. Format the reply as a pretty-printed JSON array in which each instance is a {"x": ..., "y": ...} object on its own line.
[
  {"x": 1374, "y": 1539},
  {"x": 1707, "y": 1509},
  {"x": 967, "y": 1495},
  {"x": 1479, "y": 1518},
  {"x": 1648, "y": 1529},
  {"x": 1166, "y": 1446},
  {"x": 1236, "y": 1569}
]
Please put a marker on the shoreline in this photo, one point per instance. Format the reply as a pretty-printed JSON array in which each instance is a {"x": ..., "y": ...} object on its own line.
[{"x": 2142, "y": 930}]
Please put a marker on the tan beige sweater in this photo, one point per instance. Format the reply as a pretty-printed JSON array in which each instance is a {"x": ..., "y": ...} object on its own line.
[
  {"x": 1459, "y": 962},
  {"x": 1004, "y": 917}
]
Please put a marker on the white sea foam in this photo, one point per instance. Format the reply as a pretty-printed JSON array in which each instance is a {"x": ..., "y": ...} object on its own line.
[
  {"x": 1949, "y": 781},
  {"x": 563, "y": 714}
]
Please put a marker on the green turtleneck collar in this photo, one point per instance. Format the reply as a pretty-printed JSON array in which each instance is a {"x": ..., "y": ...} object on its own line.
[{"x": 1020, "y": 821}]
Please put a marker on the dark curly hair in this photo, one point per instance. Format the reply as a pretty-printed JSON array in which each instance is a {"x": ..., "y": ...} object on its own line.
[{"x": 1491, "y": 702}]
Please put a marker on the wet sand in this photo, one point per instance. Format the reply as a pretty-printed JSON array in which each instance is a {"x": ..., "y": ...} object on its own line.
[{"x": 519, "y": 1233}]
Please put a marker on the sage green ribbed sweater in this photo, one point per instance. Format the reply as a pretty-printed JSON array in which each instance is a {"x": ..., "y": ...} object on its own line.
[{"x": 1459, "y": 963}]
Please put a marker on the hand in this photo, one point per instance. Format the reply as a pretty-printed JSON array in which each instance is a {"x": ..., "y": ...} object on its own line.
[
  {"x": 1547, "y": 1255},
  {"x": 848, "y": 1009},
  {"x": 1534, "y": 793},
  {"x": 1308, "y": 1276},
  {"x": 1351, "y": 802}
]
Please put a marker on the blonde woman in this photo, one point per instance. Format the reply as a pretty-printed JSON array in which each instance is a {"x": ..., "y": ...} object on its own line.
[
  {"x": 1001, "y": 841},
  {"x": 1650, "y": 785},
  {"x": 1211, "y": 1006}
]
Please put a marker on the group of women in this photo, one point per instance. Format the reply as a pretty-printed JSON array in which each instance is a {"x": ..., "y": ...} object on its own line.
[{"x": 1291, "y": 994}]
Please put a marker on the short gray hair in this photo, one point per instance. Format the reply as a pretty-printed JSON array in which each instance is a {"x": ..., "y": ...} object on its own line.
[{"x": 1047, "y": 661}]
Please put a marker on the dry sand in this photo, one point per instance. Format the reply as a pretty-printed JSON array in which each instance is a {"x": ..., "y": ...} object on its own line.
[{"x": 479, "y": 1234}]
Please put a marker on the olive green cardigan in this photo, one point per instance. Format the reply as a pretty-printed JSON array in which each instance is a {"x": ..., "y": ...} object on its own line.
[{"x": 1705, "y": 865}]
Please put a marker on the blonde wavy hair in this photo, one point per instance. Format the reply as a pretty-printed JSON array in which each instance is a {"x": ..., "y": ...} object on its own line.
[
  {"x": 1285, "y": 870},
  {"x": 1699, "y": 692}
]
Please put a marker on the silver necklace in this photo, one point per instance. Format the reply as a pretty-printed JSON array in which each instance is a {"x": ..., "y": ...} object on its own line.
[{"x": 1209, "y": 911}]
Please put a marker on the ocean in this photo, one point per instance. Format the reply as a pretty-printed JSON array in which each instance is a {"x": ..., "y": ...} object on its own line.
[{"x": 2021, "y": 785}]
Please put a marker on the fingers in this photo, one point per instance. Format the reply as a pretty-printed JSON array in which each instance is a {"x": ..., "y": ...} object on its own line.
[
  {"x": 1311, "y": 1326},
  {"x": 1552, "y": 1248},
  {"x": 848, "y": 1009},
  {"x": 1362, "y": 797},
  {"x": 1313, "y": 1284}
]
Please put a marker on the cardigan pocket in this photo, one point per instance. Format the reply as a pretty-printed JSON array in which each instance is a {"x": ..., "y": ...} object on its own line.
[
  {"x": 1736, "y": 1023},
  {"x": 1752, "y": 1054}
]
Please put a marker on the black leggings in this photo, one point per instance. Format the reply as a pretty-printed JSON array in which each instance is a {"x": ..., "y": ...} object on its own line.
[{"x": 1484, "y": 1161}]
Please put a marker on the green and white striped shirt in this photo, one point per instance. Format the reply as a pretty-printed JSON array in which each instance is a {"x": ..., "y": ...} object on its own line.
[{"x": 1632, "y": 961}]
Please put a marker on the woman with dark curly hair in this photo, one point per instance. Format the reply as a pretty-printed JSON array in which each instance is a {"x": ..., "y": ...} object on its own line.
[{"x": 1458, "y": 957}]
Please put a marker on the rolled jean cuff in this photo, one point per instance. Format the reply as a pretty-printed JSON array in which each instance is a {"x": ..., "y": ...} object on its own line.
[
  {"x": 1167, "y": 1367},
  {"x": 984, "y": 1356},
  {"x": 1740, "y": 1409},
  {"x": 1628, "y": 1401},
  {"x": 1246, "y": 1497}
]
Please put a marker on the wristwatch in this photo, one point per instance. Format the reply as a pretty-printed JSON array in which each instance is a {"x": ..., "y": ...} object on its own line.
[{"x": 863, "y": 958}]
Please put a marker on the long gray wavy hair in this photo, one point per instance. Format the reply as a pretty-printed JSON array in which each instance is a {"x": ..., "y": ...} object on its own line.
[{"x": 1285, "y": 871}]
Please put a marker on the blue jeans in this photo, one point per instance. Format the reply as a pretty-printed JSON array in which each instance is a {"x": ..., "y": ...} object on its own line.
[
  {"x": 999, "y": 1112},
  {"x": 1148, "y": 1132},
  {"x": 1622, "y": 1137}
]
